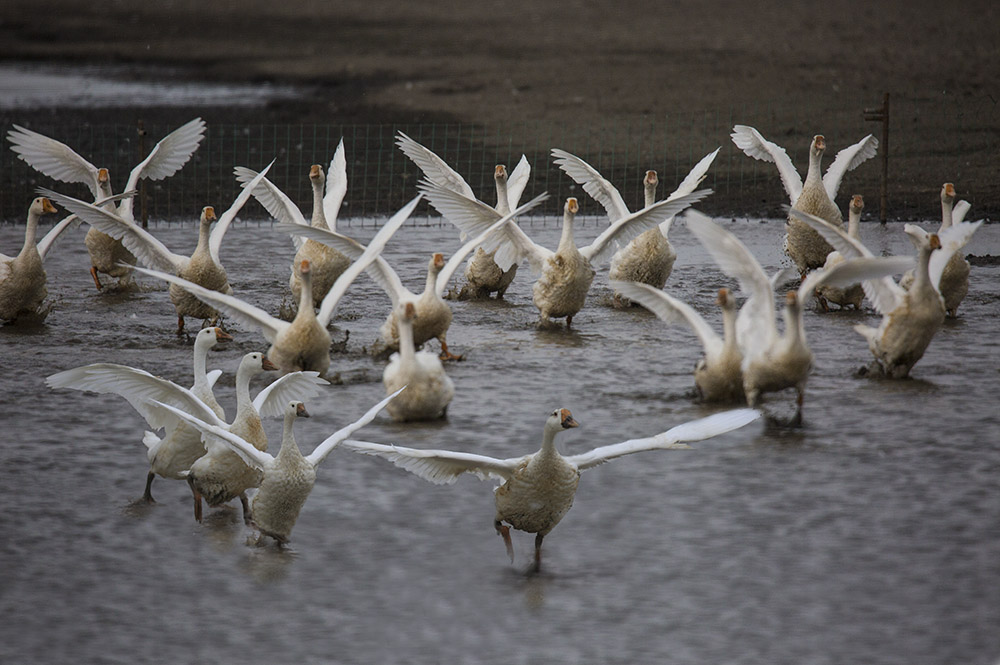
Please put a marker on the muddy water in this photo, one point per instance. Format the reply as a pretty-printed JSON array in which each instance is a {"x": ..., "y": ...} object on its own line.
[{"x": 871, "y": 534}]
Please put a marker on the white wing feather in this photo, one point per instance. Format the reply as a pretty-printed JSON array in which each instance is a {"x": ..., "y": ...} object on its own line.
[
  {"x": 676, "y": 437},
  {"x": 846, "y": 160},
  {"x": 221, "y": 226},
  {"x": 671, "y": 310},
  {"x": 294, "y": 386},
  {"x": 596, "y": 185},
  {"x": 253, "y": 457},
  {"x": 441, "y": 467},
  {"x": 953, "y": 239},
  {"x": 434, "y": 168},
  {"x": 166, "y": 158},
  {"x": 517, "y": 181},
  {"x": 750, "y": 141},
  {"x": 53, "y": 158},
  {"x": 336, "y": 186},
  {"x": 327, "y": 445}
]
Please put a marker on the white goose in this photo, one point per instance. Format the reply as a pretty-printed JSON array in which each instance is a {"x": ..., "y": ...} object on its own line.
[
  {"x": 218, "y": 475},
  {"x": 289, "y": 476},
  {"x": 910, "y": 319},
  {"x": 429, "y": 389},
  {"x": 649, "y": 257},
  {"x": 773, "y": 361},
  {"x": 326, "y": 263},
  {"x": 303, "y": 343},
  {"x": 58, "y": 161},
  {"x": 22, "y": 277},
  {"x": 483, "y": 275},
  {"x": 565, "y": 274},
  {"x": 203, "y": 267},
  {"x": 851, "y": 295},
  {"x": 815, "y": 196},
  {"x": 433, "y": 314},
  {"x": 172, "y": 455},
  {"x": 718, "y": 375},
  {"x": 538, "y": 489},
  {"x": 954, "y": 284}
]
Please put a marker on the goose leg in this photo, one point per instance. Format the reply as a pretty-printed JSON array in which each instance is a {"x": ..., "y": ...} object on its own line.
[
  {"x": 180, "y": 324},
  {"x": 799, "y": 399},
  {"x": 569, "y": 322},
  {"x": 197, "y": 499},
  {"x": 538, "y": 551},
  {"x": 504, "y": 530},
  {"x": 446, "y": 354},
  {"x": 247, "y": 515},
  {"x": 97, "y": 281},
  {"x": 147, "y": 496}
]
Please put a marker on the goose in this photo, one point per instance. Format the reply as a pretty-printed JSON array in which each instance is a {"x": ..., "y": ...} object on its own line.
[
  {"x": 304, "y": 343},
  {"x": 910, "y": 318},
  {"x": 433, "y": 315},
  {"x": 326, "y": 263},
  {"x": 482, "y": 274},
  {"x": 565, "y": 274},
  {"x": 58, "y": 161},
  {"x": 429, "y": 389},
  {"x": 852, "y": 295},
  {"x": 774, "y": 361},
  {"x": 954, "y": 285},
  {"x": 718, "y": 375},
  {"x": 288, "y": 477},
  {"x": 815, "y": 196},
  {"x": 203, "y": 267},
  {"x": 649, "y": 257},
  {"x": 538, "y": 489},
  {"x": 217, "y": 474},
  {"x": 22, "y": 277}
]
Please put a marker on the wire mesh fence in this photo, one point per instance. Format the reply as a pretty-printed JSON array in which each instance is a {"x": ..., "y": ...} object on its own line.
[{"x": 381, "y": 179}]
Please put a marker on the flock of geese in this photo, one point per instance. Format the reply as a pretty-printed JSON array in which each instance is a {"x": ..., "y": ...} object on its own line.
[{"x": 222, "y": 459}]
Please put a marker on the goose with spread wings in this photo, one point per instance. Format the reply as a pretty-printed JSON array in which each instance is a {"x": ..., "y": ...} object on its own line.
[
  {"x": 649, "y": 257},
  {"x": 326, "y": 263},
  {"x": 304, "y": 343},
  {"x": 288, "y": 477},
  {"x": 433, "y": 314},
  {"x": 773, "y": 361},
  {"x": 22, "y": 277},
  {"x": 204, "y": 266},
  {"x": 482, "y": 274},
  {"x": 58, "y": 161},
  {"x": 538, "y": 489},
  {"x": 815, "y": 196}
]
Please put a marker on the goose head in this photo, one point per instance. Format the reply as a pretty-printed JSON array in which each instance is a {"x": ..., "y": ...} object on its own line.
[
  {"x": 571, "y": 207},
  {"x": 500, "y": 173},
  {"x": 297, "y": 410},
  {"x": 103, "y": 177},
  {"x": 207, "y": 215},
  {"x": 947, "y": 193},
  {"x": 209, "y": 336},
  {"x": 436, "y": 263},
  {"x": 304, "y": 269},
  {"x": 818, "y": 145},
  {"x": 41, "y": 206},
  {"x": 921, "y": 238},
  {"x": 259, "y": 362},
  {"x": 407, "y": 312},
  {"x": 651, "y": 179},
  {"x": 857, "y": 204},
  {"x": 725, "y": 300},
  {"x": 316, "y": 174},
  {"x": 559, "y": 420}
]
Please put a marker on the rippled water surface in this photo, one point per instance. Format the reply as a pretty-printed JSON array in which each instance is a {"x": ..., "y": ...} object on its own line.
[{"x": 869, "y": 535}]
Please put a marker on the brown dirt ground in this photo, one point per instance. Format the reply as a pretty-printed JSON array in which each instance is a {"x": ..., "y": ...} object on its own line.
[{"x": 790, "y": 69}]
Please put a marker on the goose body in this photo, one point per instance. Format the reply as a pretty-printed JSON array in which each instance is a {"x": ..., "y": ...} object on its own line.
[
  {"x": 429, "y": 390},
  {"x": 304, "y": 343},
  {"x": 538, "y": 489},
  {"x": 852, "y": 294},
  {"x": 204, "y": 266},
  {"x": 108, "y": 253},
  {"x": 288, "y": 477},
  {"x": 22, "y": 277},
  {"x": 814, "y": 196},
  {"x": 649, "y": 257},
  {"x": 561, "y": 289}
]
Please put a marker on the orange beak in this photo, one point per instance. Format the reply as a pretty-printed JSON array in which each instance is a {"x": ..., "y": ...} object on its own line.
[
  {"x": 268, "y": 365},
  {"x": 572, "y": 205},
  {"x": 47, "y": 206},
  {"x": 221, "y": 335},
  {"x": 567, "y": 419}
]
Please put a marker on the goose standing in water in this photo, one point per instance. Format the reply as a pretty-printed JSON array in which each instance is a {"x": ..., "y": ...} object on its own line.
[
  {"x": 326, "y": 263},
  {"x": 429, "y": 390},
  {"x": 565, "y": 274},
  {"x": 815, "y": 196},
  {"x": 718, "y": 375},
  {"x": 304, "y": 343},
  {"x": 483, "y": 274},
  {"x": 288, "y": 477},
  {"x": 954, "y": 285},
  {"x": 538, "y": 489},
  {"x": 58, "y": 161},
  {"x": 910, "y": 318},
  {"x": 433, "y": 314},
  {"x": 22, "y": 277},
  {"x": 203, "y": 267},
  {"x": 773, "y": 361},
  {"x": 852, "y": 295},
  {"x": 649, "y": 257}
]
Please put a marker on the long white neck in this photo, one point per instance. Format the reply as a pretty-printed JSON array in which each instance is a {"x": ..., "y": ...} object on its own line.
[
  {"x": 407, "y": 349},
  {"x": 815, "y": 174},
  {"x": 921, "y": 276},
  {"x": 201, "y": 361},
  {"x": 305, "y": 297},
  {"x": 244, "y": 405},
  {"x": 288, "y": 443},
  {"x": 566, "y": 241},
  {"x": 853, "y": 222},
  {"x": 318, "y": 218},
  {"x": 729, "y": 341},
  {"x": 795, "y": 334},
  {"x": 503, "y": 202},
  {"x": 30, "y": 232},
  {"x": 649, "y": 192},
  {"x": 204, "y": 237},
  {"x": 430, "y": 286},
  {"x": 947, "y": 205},
  {"x": 549, "y": 440}
]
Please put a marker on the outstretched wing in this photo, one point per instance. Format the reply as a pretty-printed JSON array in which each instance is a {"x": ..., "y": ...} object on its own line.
[
  {"x": 750, "y": 141},
  {"x": 253, "y": 457},
  {"x": 676, "y": 437},
  {"x": 853, "y": 271},
  {"x": 846, "y": 160},
  {"x": 517, "y": 181},
  {"x": 221, "y": 226},
  {"x": 441, "y": 467},
  {"x": 596, "y": 185},
  {"x": 628, "y": 227},
  {"x": 692, "y": 180},
  {"x": 953, "y": 239},
  {"x": 332, "y": 441},
  {"x": 53, "y": 158},
  {"x": 294, "y": 386},
  {"x": 336, "y": 186},
  {"x": 671, "y": 310},
  {"x": 434, "y": 168},
  {"x": 166, "y": 158}
]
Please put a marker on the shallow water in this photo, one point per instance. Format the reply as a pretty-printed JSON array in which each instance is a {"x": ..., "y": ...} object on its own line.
[{"x": 869, "y": 535}]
